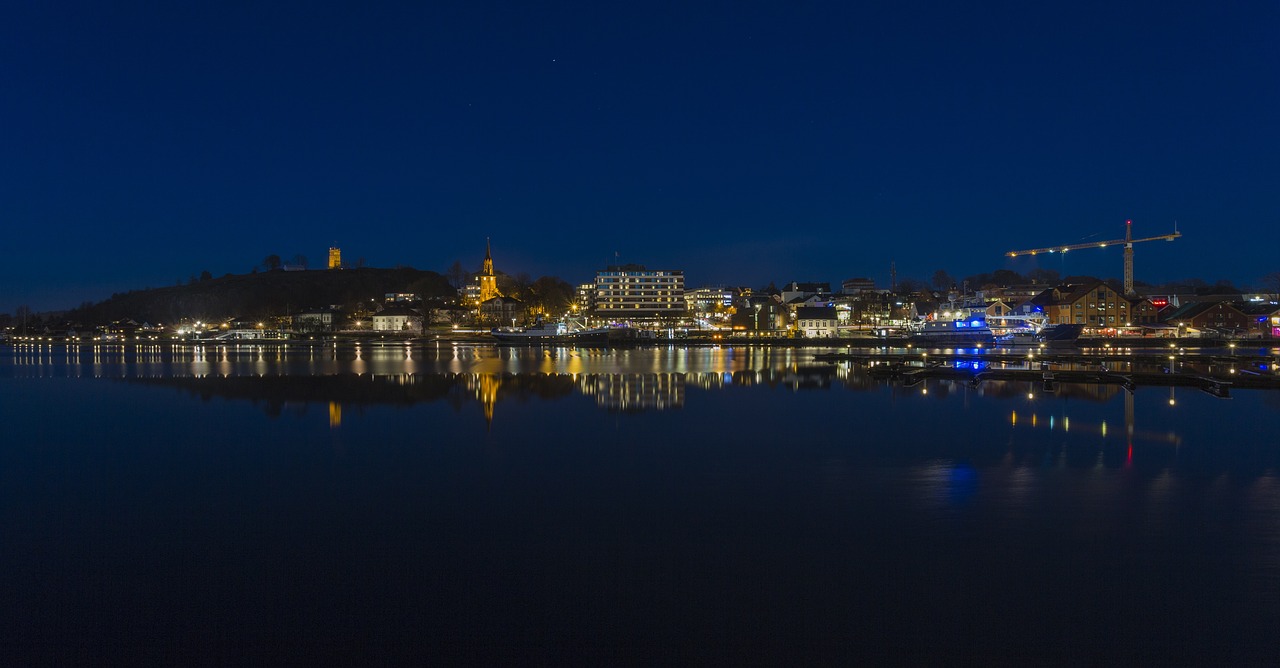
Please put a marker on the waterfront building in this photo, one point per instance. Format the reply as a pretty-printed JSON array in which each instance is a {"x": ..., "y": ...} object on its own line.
[
  {"x": 867, "y": 308},
  {"x": 632, "y": 292},
  {"x": 762, "y": 315},
  {"x": 708, "y": 301},
  {"x": 335, "y": 257},
  {"x": 816, "y": 322},
  {"x": 1265, "y": 319},
  {"x": 397, "y": 319},
  {"x": 1219, "y": 316},
  {"x": 1173, "y": 300},
  {"x": 502, "y": 311},
  {"x": 585, "y": 299},
  {"x": 314, "y": 320},
  {"x": 1094, "y": 304}
]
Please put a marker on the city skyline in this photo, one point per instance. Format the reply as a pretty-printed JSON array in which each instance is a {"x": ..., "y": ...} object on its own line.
[{"x": 815, "y": 143}]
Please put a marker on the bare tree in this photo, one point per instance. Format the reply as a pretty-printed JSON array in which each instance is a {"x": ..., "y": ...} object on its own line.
[
  {"x": 1271, "y": 282},
  {"x": 22, "y": 316},
  {"x": 456, "y": 274}
]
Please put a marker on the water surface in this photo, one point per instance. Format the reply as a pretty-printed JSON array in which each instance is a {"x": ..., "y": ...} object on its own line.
[{"x": 233, "y": 504}]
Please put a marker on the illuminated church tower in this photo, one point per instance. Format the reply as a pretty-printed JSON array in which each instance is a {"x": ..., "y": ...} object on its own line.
[
  {"x": 335, "y": 257},
  {"x": 487, "y": 279}
]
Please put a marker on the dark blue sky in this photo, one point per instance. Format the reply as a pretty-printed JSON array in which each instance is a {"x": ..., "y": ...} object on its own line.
[{"x": 741, "y": 142}]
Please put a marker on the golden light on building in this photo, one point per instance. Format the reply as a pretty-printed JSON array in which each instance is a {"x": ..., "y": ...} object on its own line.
[
  {"x": 488, "y": 279},
  {"x": 335, "y": 257}
]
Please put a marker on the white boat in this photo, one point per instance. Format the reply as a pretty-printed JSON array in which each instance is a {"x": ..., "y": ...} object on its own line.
[
  {"x": 971, "y": 329},
  {"x": 957, "y": 325}
]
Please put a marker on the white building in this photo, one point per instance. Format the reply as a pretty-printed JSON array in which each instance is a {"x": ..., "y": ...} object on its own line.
[
  {"x": 816, "y": 322},
  {"x": 397, "y": 319},
  {"x": 632, "y": 292}
]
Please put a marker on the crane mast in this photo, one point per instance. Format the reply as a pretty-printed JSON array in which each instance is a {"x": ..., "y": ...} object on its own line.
[{"x": 1128, "y": 242}]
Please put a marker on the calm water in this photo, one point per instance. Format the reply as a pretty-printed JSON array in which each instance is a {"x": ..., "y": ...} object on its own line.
[{"x": 224, "y": 505}]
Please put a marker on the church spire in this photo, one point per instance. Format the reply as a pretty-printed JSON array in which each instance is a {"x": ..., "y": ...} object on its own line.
[
  {"x": 487, "y": 268},
  {"x": 488, "y": 279}
]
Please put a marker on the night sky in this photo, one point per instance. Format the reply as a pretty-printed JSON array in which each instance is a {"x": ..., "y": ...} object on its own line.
[{"x": 741, "y": 142}]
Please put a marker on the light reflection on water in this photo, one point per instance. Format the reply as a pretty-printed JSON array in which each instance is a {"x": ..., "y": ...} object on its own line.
[
  {"x": 472, "y": 492},
  {"x": 201, "y": 360}
]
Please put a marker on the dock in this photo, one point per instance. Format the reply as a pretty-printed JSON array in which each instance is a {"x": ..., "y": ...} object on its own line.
[{"x": 1212, "y": 373}]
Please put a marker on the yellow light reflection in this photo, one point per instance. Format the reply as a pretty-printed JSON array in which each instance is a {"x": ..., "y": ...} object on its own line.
[{"x": 335, "y": 415}]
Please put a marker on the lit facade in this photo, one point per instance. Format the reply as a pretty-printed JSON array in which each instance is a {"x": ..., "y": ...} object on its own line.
[
  {"x": 585, "y": 298},
  {"x": 817, "y": 322},
  {"x": 1094, "y": 304},
  {"x": 708, "y": 301},
  {"x": 633, "y": 292},
  {"x": 335, "y": 257},
  {"x": 487, "y": 280},
  {"x": 502, "y": 311},
  {"x": 397, "y": 319}
]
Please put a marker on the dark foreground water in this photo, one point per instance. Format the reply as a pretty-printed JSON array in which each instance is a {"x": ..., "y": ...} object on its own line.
[{"x": 250, "y": 505}]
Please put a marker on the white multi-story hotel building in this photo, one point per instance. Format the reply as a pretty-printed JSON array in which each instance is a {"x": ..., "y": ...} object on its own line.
[{"x": 631, "y": 292}]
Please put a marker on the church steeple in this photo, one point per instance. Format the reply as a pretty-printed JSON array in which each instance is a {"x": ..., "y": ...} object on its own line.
[
  {"x": 487, "y": 267},
  {"x": 487, "y": 279}
]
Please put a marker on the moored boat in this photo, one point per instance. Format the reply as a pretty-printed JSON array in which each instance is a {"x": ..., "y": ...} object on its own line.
[
  {"x": 544, "y": 333},
  {"x": 1057, "y": 334},
  {"x": 969, "y": 329}
]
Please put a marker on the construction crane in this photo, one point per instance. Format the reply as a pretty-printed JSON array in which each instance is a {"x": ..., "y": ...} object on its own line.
[{"x": 1128, "y": 242}]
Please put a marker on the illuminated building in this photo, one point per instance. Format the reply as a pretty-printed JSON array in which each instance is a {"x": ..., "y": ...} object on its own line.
[
  {"x": 335, "y": 257},
  {"x": 709, "y": 300},
  {"x": 487, "y": 280},
  {"x": 585, "y": 298},
  {"x": 632, "y": 292},
  {"x": 1094, "y": 304},
  {"x": 816, "y": 322},
  {"x": 397, "y": 319},
  {"x": 502, "y": 310},
  {"x": 1265, "y": 319}
]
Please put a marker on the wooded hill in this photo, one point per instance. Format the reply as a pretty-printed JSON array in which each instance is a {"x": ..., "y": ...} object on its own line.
[{"x": 260, "y": 295}]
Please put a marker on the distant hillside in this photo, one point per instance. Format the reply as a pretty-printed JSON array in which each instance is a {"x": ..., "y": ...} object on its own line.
[{"x": 261, "y": 294}]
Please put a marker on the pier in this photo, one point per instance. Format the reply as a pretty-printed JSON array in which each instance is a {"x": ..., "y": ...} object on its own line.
[{"x": 1214, "y": 373}]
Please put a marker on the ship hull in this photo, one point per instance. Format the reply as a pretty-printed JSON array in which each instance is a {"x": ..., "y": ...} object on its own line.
[{"x": 605, "y": 336}]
